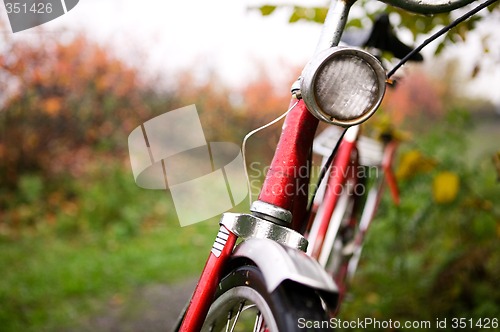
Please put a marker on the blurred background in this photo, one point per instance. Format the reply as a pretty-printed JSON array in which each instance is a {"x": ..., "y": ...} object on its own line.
[{"x": 83, "y": 248}]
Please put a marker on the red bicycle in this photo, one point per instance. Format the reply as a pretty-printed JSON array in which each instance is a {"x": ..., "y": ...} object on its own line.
[
  {"x": 294, "y": 257},
  {"x": 345, "y": 205}
]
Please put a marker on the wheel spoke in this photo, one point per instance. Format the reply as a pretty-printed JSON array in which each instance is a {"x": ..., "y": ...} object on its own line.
[
  {"x": 259, "y": 323},
  {"x": 242, "y": 304},
  {"x": 229, "y": 316}
]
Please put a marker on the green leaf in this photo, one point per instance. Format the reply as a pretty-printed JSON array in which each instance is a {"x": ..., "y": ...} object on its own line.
[
  {"x": 267, "y": 10},
  {"x": 320, "y": 14},
  {"x": 440, "y": 48},
  {"x": 355, "y": 23},
  {"x": 298, "y": 13}
]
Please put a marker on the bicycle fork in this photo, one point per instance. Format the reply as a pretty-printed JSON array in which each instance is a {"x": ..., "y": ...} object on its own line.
[
  {"x": 278, "y": 251},
  {"x": 212, "y": 273}
]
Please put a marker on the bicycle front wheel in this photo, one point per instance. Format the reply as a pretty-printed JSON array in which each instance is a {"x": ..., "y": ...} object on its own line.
[{"x": 243, "y": 304}]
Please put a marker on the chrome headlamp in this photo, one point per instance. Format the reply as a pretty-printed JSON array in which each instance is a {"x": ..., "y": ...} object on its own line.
[{"x": 343, "y": 86}]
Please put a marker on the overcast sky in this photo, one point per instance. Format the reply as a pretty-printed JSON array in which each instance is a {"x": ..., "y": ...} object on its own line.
[
  {"x": 223, "y": 35},
  {"x": 219, "y": 35}
]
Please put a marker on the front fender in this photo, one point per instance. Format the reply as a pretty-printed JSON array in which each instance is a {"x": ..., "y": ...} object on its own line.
[{"x": 279, "y": 263}]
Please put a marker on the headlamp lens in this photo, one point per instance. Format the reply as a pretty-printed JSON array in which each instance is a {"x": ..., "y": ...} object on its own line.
[{"x": 343, "y": 86}]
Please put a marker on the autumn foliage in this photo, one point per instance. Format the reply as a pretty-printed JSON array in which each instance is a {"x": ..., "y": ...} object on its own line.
[
  {"x": 62, "y": 101},
  {"x": 416, "y": 96}
]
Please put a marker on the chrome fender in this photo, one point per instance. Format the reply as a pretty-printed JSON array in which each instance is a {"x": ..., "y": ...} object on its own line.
[{"x": 279, "y": 263}]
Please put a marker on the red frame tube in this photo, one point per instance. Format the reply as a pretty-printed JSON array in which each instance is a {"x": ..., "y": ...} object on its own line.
[
  {"x": 333, "y": 190},
  {"x": 390, "y": 151},
  {"x": 286, "y": 183},
  {"x": 205, "y": 290}
]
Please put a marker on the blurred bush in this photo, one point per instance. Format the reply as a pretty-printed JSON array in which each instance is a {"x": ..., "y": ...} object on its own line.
[
  {"x": 434, "y": 256},
  {"x": 67, "y": 107},
  {"x": 69, "y": 99}
]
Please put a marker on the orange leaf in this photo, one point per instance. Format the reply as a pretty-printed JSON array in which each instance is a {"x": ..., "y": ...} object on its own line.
[{"x": 52, "y": 106}]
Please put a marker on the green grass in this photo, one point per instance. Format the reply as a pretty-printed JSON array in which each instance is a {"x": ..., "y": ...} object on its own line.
[
  {"x": 68, "y": 247},
  {"x": 48, "y": 282}
]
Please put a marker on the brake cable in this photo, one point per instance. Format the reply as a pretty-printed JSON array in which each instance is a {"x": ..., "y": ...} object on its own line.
[{"x": 440, "y": 33}]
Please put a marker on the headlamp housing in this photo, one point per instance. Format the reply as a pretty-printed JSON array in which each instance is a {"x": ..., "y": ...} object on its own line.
[{"x": 343, "y": 86}]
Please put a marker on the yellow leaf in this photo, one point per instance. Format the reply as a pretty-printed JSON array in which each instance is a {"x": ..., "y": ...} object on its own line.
[
  {"x": 372, "y": 298},
  {"x": 413, "y": 162},
  {"x": 445, "y": 187},
  {"x": 267, "y": 9}
]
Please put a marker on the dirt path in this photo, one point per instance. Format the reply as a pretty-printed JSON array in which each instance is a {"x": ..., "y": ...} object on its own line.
[{"x": 150, "y": 309}]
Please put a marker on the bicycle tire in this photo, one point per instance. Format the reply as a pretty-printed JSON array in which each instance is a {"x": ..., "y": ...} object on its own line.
[{"x": 290, "y": 307}]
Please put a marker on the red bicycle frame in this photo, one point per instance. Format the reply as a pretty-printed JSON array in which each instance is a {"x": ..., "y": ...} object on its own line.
[
  {"x": 335, "y": 186},
  {"x": 344, "y": 173}
]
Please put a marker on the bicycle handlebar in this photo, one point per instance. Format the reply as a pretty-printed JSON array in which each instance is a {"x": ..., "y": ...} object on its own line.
[{"x": 428, "y": 6}]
